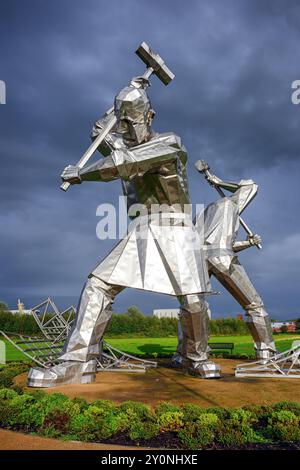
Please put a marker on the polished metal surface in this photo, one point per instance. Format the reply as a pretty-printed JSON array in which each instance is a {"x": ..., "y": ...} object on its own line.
[
  {"x": 280, "y": 366},
  {"x": 162, "y": 251},
  {"x": 220, "y": 228}
]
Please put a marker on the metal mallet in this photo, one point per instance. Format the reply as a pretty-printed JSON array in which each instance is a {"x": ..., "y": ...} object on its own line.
[
  {"x": 203, "y": 168},
  {"x": 155, "y": 65}
]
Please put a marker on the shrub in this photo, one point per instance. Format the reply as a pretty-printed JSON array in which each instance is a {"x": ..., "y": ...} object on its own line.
[
  {"x": 19, "y": 412},
  {"x": 140, "y": 410},
  {"x": 288, "y": 406},
  {"x": 200, "y": 433},
  {"x": 283, "y": 426},
  {"x": 98, "y": 421},
  {"x": 237, "y": 429},
  {"x": 7, "y": 394},
  {"x": 170, "y": 421},
  {"x": 192, "y": 412},
  {"x": 140, "y": 430},
  {"x": 137, "y": 420},
  {"x": 165, "y": 407},
  {"x": 8, "y": 372}
]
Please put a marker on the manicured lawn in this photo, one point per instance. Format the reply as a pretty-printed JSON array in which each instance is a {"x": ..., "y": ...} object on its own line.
[
  {"x": 148, "y": 346},
  {"x": 166, "y": 346}
]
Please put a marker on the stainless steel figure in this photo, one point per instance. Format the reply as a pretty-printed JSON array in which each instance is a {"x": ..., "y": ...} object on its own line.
[
  {"x": 162, "y": 251},
  {"x": 221, "y": 223}
]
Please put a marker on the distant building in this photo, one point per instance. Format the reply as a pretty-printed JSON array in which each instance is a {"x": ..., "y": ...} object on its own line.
[
  {"x": 240, "y": 316},
  {"x": 277, "y": 326},
  {"x": 166, "y": 313},
  {"x": 21, "y": 310}
]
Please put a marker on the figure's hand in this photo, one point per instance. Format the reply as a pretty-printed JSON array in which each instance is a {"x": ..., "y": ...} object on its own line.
[
  {"x": 254, "y": 240},
  {"x": 201, "y": 166},
  {"x": 71, "y": 174},
  {"x": 212, "y": 180}
]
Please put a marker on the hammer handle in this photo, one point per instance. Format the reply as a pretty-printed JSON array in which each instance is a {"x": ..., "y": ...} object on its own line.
[{"x": 92, "y": 148}]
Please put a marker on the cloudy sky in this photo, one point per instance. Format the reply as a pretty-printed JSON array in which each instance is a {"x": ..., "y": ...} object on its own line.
[{"x": 63, "y": 61}]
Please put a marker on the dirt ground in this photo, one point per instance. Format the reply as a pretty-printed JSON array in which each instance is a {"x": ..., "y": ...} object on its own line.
[
  {"x": 172, "y": 385},
  {"x": 10, "y": 440}
]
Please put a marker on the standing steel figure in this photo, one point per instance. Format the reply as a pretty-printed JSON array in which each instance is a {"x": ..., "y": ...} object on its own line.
[
  {"x": 162, "y": 251},
  {"x": 219, "y": 225}
]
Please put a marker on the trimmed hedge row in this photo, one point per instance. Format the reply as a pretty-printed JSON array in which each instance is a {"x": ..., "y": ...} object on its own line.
[
  {"x": 186, "y": 426},
  {"x": 193, "y": 427}
]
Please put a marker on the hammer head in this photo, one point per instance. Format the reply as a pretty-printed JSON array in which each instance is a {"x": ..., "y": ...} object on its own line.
[
  {"x": 153, "y": 60},
  {"x": 201, "y": 166}
]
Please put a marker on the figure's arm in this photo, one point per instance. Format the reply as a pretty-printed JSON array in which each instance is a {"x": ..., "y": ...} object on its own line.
[
  {"x": 243, "y": 245},
  {"x": 113, "y": 140},
  {"x": 123, "y": 163},
  {"x": 228, "y": 185}
]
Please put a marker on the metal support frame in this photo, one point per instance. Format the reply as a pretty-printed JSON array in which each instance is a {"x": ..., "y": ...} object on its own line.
[
  {"x": 282, "y": 365},
  {"x": 45, "y": 350}
]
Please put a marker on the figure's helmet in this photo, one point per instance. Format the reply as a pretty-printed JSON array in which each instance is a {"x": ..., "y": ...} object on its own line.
[{"x": 134, "y": 114}]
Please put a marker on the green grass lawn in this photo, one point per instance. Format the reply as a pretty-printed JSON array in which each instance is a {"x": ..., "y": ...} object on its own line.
[
  {"x": 148, "y": 346},
  {"x": 166, "y": 346}
]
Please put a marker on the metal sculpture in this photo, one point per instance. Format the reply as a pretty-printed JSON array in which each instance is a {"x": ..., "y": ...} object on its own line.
[
  {"x": 162, "y": 250},
  {"x": 219, "y": 227},
  {"x": 282, "y": 365},
  {"x": 46, "y": 348}
]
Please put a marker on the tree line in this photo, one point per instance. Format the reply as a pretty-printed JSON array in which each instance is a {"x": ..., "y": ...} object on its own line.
[{"x": 132, "y": 323}]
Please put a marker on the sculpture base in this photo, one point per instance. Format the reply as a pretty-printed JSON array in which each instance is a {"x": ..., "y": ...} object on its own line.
[{"x": 63, "y": 374}]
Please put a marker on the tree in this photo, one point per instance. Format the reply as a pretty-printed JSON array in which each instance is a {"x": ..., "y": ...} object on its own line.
[
  {"x": 284, "y": 329},
  {"x": 3, "y": 306}
]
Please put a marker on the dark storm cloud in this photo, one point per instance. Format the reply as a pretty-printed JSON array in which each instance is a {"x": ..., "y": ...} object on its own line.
[{"x": 63, "y": 62}]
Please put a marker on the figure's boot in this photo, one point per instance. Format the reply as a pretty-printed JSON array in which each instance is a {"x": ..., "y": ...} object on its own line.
[
  {"x": 69, "y": 372},
  {"x": 260, "y": 327},
  {"x": 78, "y": 360},
  {"x": 192, "y": 351}
]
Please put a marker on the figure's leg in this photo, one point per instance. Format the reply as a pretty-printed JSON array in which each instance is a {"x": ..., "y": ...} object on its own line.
[
  {"x": 93, "y": 315},
  {"x": 231, "y": 274},
  {"x": 193, "y": 332},
  {"x": 78, "y": 363}
]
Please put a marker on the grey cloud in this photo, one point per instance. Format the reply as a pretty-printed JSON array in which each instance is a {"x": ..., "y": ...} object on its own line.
[{"x": 63, "y": 62}]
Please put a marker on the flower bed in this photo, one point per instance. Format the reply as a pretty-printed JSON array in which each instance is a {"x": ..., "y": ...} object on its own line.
[{"x": 187, "y": 426}]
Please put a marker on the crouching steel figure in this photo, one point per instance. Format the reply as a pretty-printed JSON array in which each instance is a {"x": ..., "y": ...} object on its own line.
[
  {"x": 220, "y": 223},
  {"x": 162, "y": 251}
]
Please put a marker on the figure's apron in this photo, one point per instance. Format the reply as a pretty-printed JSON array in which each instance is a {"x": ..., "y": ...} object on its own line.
[{"x": 161, "y": 253}]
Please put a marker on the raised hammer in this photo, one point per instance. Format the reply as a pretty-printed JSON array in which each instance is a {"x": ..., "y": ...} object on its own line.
[{"x": 155, "y": 65}]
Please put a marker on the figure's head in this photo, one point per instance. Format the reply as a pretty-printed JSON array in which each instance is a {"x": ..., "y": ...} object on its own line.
[{"x": 134, "y": 114}]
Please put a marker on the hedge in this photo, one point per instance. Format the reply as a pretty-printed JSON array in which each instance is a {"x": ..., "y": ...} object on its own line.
[
  {"x": 55, "y": 415},
  {"x": 184, "y": 426},
  {"x": 131, "y": 323}
]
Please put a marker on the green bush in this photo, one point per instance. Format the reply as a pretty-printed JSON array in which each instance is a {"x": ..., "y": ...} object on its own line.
[
  {"x": 192, "y": 412},
  {"x": 137, "y": 420},
  {"x": 55, "y": 415},
  {"x": 237, "y": 429},
  {"x": 288, "y": 406},
  {"x": 95, "y": 423},
  {"x": 283, "y": 426},
  {"x": 200, "y": 433},
  {"x": 9, "y": 371},
  {"x": 140, "y": 410},
  {"x": 165, "y": 407},
  {"x": 140, "y": 431},
  {"x": 170, "y": 421}
]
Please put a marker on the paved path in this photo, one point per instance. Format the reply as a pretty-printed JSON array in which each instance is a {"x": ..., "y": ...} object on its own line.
[{"x": 10, "y": 440}]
